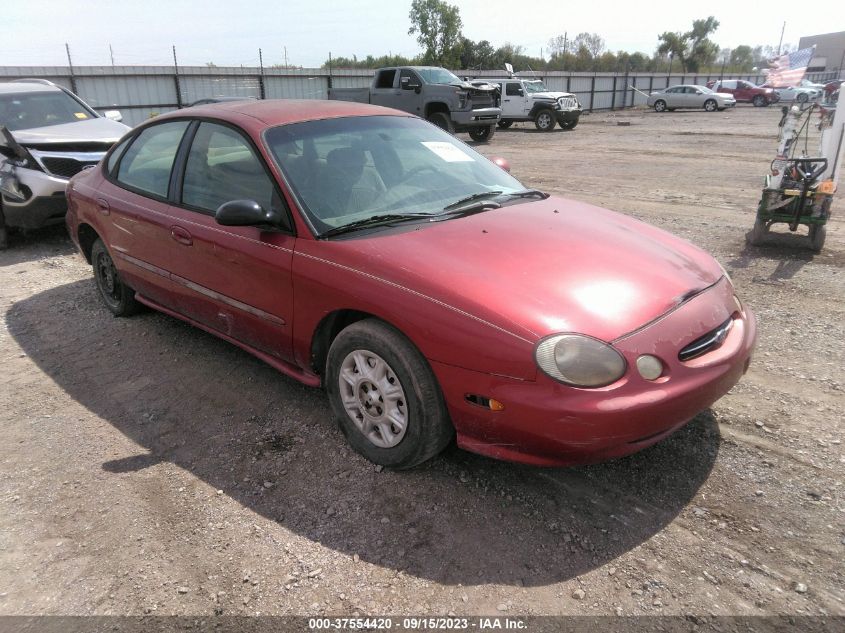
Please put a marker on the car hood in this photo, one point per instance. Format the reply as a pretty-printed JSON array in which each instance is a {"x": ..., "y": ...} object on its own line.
[
  {"x": 541, "y": 267},
  {"x": 554, "y": 96},
  {"x": 99, "y": 130}
]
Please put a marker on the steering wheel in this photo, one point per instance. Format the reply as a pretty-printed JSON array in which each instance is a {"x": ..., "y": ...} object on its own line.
[{"x": 415, "y": 171}]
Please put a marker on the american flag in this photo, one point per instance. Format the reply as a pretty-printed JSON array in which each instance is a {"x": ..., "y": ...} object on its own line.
[{"x": 788, "y": 70}]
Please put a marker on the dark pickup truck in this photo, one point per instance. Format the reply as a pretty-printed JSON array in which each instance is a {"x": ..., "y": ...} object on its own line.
[{"x": 434, "y": 94}]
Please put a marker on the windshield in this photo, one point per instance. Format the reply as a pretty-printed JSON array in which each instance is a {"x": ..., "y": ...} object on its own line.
[
  {"x": 535, "y": 86},
  {"x": 350, "y": 169},
  {"x": 28, "y": 110},
  {"x": 438, "y": 76}
]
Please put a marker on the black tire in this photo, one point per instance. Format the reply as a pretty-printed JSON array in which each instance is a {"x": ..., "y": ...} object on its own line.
[
  {"x": 545, "y": 120},
  {"x": 116, "y": 295},
  {"x": 710, "y": 105},
  {"x": 758, "y": 233},
  {"x": 505, "y": 124},
  {"x": 660, "y": 106},
  {"x": 442, "y": 120},
  {"x": 802, "y": 98},
  {"x": 428, "y": 429},
  {"x": 759, "y": 101},
  {"x": 568, "y": 125},
  {"x": 4, "y": 238},
  {"x": 818, "y": 233},
  {"x": 482, "y": 134}
]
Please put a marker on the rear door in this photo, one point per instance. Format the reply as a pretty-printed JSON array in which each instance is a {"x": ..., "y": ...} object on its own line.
[
  {"x": 235, "y": 280},
  {"x": 134, "y": 199}
]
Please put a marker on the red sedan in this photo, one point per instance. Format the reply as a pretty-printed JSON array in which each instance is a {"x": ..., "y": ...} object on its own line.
[{"x": 430, "y": 293}]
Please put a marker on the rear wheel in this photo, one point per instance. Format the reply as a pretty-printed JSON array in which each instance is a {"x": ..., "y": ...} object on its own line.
[
  {"x": 660, "y": 105},
  {"x": 757, "y": 233},
  {"x": 118, "y": 297},
  {"x": 4, "y": 240},
  {"x": 818, "y": 233},
  {"x": 710, "y": 105},
  {"x": 545, "y": 121},
  {"x": 759, "y": 101},
  {"x": 482, "y": 134},
  {"x": 442, "y": 120},
  {"x": 505, "y": 124},
  {"x": 385, "y": 396}
]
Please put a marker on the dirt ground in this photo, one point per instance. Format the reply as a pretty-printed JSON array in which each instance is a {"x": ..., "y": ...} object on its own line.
[{"x": 148, "y": 467}]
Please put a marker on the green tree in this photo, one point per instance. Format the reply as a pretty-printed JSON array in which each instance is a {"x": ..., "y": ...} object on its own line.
[
  {"x": 701, "y": 50},
  {"x": 675, "y": 45},
  {"x": 742, "y": 58},
  {"x": 437, "y": 25}
]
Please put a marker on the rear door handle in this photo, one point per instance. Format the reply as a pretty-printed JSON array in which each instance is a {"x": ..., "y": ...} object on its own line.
[
  {"x": 103, "y": 206},
  {"x": 181, "y": 235}
]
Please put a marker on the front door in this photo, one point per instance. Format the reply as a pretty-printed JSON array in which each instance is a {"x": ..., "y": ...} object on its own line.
[{"x": 513, "y": 100}]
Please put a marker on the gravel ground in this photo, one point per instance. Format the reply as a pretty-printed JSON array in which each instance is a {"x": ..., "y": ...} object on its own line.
[{"x": 149, "y": 468}]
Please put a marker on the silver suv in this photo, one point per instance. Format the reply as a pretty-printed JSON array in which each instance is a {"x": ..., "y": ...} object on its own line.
[{"x": 47, "y": 135}]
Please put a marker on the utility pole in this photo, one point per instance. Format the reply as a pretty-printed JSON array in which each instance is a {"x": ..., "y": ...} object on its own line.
[
  {"x": 781, "y": 37},
  {"x": 261, "y": 75},
  {"x": 111, "y": 54},
  {"x": 286, "y": 56},
  {"x": 563, "y": 57},
  {"x": 70, "y": 67}
]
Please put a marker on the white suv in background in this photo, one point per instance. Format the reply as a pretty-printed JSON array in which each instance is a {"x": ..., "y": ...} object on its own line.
[
  {"x": 530, "y": 100},
  {"x": 47, "y": 135}
]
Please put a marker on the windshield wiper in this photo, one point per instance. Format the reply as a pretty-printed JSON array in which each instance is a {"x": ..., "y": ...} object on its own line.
[
  {"x": 528, "y": 193},
  {"x": 475, "y": 196},
  {"x": 375, "y": 220}
]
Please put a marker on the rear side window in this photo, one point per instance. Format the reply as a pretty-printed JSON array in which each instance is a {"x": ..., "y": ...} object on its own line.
[
  {"x": 223, "y": 167},
  {"x": 385, "y": 78},
  {"x": 147, "y": 163}
]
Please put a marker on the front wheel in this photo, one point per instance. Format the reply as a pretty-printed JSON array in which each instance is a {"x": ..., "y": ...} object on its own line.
[
  {"x": 660, "y": 105},
  {"x": 568, "y": 125},
  {"x": 4, "y": 240},
  {"x": 482, "y": 134},
  {"x": 818, "y": 233},
  {"x": 803, "y": 98},
  {"x": 442, "y": 120},
  {"x": 385, "y": 396},
  {"x": 710, "y": 105},
  {"x": 505, "y": 124},
  {"x": 759, "y": 101},
  {"x": 117, "y": 296},
  {"x": 545, "y": 121}
]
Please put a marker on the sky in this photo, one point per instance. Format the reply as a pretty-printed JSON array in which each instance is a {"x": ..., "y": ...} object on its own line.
[{"x": 227, "y": 33}]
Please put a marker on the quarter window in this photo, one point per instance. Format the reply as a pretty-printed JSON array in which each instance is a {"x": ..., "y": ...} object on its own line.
[
  {"x": 222, "y": 167},
  {"x": 147, "y": 163}
]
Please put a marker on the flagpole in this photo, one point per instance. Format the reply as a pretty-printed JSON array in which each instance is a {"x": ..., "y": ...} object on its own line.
[{"x": 781, "y": 36}]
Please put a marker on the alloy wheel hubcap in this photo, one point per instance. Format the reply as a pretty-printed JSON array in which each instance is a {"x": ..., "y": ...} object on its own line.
[{"x": 373, "y": 398}]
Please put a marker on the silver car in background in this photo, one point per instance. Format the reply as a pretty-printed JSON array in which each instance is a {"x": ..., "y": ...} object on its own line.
[{"x": 690, "y": 96}]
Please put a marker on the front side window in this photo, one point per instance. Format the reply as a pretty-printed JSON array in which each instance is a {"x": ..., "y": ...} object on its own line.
[
  {"x": 408, "y": 77},
  {"x": 513, "y": 89},
  {"x": 28, "y": 110},
  {"x": 222, "y": 167},
  {"x": 146, "y": 164},
  {"x": 351, "y": 169}
]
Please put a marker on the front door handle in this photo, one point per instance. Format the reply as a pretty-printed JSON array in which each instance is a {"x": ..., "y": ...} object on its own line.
[
  {"x": 181, "y": 235},
  {"x": 103, "y": 206}
]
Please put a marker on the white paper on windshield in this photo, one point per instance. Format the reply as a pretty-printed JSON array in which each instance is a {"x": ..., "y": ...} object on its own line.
[{"x": 448, "y": 152}]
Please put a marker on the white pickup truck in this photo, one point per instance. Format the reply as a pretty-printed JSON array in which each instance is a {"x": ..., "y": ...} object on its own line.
[{"x": 433, "y": 93}]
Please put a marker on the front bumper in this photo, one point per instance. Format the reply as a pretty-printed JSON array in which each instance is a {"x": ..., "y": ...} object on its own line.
[
  {"x": 38, "y": 200},
  {"x": 482, "y": 117},
  {"x": 567, "y": 116},
  {"x": 550, "y": 424}
]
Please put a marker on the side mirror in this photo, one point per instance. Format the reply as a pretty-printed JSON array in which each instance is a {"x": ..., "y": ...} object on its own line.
[
  {"x": 520, "y": 92},
  {"x": 244, "y": 213},
  {"x": 114, "y": 115},
  {"x": 502, "y": 163}
]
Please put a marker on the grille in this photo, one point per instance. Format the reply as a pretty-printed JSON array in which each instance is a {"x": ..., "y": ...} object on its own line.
[
  {"x": 568, "y": 102},
  {"x": 65, "y": 167},
  {"x": 482, "y": 100},
  {"x": 707, "y": 343}
]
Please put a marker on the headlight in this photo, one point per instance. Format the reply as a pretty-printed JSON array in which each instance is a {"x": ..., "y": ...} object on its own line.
[{"x": 580, "y": 361}]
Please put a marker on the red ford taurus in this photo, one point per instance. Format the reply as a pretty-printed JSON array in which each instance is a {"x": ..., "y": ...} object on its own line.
[{"x": 429, "y": 292}]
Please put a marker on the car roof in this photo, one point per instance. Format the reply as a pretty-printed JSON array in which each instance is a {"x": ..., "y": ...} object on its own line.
[
  {"x": 15, "y": 87},
  {"x": 273, "y": 112}
]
